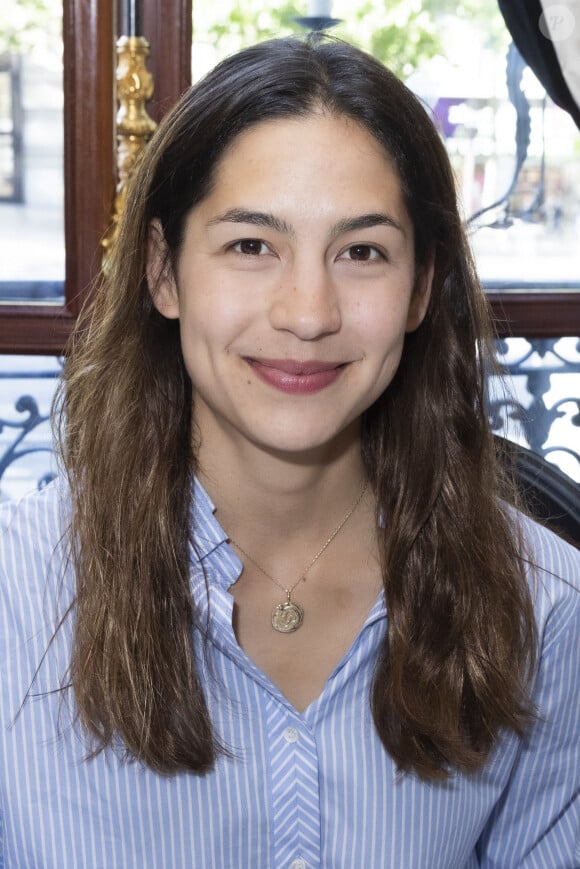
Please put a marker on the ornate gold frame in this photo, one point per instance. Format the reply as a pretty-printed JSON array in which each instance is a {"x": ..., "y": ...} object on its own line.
[{"x": 134, "y": 127}]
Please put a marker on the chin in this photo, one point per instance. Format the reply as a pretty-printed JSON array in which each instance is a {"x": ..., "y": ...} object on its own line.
[{"x": 305, "y": 444}]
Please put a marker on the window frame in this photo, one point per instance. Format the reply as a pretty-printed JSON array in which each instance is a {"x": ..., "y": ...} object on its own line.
[
  {"x": 89, "y": 37},
  {"x": 523, "y": 314}
]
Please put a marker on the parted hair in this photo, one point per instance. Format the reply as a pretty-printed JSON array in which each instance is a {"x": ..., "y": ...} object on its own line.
[{"x": 454, "y": 668}]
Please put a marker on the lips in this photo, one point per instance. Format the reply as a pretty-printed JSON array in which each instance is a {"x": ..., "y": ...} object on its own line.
[
  {"x": 291, "y": 366},
  {"x": 297, "y": 377}
]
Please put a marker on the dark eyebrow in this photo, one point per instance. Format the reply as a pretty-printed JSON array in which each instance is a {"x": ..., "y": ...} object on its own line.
[
  {"x": 262, "y": 218},
  {"x": 366, "y": 221},
  {"x": 257, "y": 218}
]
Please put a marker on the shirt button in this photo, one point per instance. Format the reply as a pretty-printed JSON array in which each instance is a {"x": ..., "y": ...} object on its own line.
[
  {"x": 298, "y": 864},
  {"x": 291, "y": 735}
]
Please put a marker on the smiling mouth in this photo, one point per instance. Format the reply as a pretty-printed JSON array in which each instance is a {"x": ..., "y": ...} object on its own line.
[{"x": 296, "y": 377}]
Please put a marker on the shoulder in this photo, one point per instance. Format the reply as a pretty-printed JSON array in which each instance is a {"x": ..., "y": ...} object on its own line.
[
  {"x": 32, "y": 533},
  {"x": 553, "y": 569},
  {"x": 32, "y": 525},
  {"x": 536, "y": 820}
]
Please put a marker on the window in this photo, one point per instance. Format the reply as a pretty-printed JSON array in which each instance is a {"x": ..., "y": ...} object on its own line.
[{"x": 43, "y": 325}]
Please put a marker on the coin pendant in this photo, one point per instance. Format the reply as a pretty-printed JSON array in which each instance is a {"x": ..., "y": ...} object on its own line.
[{"x": 287, "y": 617}]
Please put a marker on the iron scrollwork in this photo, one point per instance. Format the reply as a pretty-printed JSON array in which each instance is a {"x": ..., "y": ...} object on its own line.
[
  {"x": 538, "y": 361},
  {"x": 27, "y": 435}
]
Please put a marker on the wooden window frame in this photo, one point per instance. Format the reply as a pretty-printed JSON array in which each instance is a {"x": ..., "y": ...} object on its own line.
[
  {"x": 89, "y": 151},
  {"x": 535, "y": 315},
  {"x": 89, "y": 154}
]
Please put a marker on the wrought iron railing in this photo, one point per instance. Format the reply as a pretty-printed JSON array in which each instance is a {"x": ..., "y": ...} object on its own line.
[
  {"x": 539, "y": 409},
  {"x": 541, "y": 406},
  {"x": 27, "y": 386}
]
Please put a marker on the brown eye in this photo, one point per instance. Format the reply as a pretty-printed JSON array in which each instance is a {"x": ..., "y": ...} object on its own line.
[
  {"x": 251, "y": 246},
  {"x": 362, "y": 252}
]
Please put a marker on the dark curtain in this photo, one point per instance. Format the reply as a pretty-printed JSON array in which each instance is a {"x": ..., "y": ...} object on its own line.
[{"x": 522, "y": 18}]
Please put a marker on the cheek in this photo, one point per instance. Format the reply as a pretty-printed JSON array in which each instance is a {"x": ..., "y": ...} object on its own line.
[
  {"x": 382, "y": 327},
  {"x": 211, "y": 315},
  {"x": 211, "y": 336}
]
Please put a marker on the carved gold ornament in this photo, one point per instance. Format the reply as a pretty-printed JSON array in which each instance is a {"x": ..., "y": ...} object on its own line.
[{"x": 134, "y": 127}]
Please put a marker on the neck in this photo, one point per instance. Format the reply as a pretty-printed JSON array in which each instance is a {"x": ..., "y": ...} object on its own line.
[{"x": 264, "y": 499}]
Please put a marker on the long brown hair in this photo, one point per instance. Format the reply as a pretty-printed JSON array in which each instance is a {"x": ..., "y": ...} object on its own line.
[{"x": 453, "y": 668}]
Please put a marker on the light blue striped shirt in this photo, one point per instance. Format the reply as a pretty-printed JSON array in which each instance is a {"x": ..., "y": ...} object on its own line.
[{"x": 315, "y": 789}]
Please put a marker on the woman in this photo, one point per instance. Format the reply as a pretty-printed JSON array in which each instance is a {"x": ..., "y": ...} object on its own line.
[{"x": 279, "y": 615}]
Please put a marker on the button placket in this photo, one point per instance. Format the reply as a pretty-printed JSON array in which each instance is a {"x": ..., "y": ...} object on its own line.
[{"x": 295, "y": 790}]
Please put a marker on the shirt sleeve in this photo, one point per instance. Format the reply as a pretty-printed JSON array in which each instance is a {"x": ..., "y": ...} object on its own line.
[{"x": 536, "y": 824}]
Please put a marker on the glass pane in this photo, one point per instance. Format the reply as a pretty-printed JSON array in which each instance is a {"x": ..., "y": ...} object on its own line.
[
  {"x": 222, "y": 27},
  {"x": 516, "y": 155},
  {"x": 32, "y": 260}
]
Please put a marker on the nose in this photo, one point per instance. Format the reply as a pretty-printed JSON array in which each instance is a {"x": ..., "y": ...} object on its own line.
[{"x": 306, "y": 302}]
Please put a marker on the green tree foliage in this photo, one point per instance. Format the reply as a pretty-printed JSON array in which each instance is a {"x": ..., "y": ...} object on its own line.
[
  {"x": 238, "y": 23},
  {"x": 26, "y": 25},
  {"x": 483, "y": 13},
  {"x": 401, "y": 33}
]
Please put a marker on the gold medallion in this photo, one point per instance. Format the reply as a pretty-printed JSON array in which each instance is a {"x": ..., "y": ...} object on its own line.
[{"x": 287, "y": 617}]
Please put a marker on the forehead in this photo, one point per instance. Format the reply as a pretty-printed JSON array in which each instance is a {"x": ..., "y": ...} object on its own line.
[
  {"x": 338, "y": 130},
  {"x": 291, "y": 161}
]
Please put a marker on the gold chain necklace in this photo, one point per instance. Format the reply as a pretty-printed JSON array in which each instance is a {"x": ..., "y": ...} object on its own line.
[{"x": 288, "y": 616}]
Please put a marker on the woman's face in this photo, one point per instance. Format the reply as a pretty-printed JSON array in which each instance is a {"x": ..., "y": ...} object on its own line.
[{"x": 295, "y": 285}]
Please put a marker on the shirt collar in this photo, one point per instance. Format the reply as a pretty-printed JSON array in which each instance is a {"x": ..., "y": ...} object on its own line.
[
  {"x": 209, "y": 535},
  {"x": 207, "y": 531}
]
